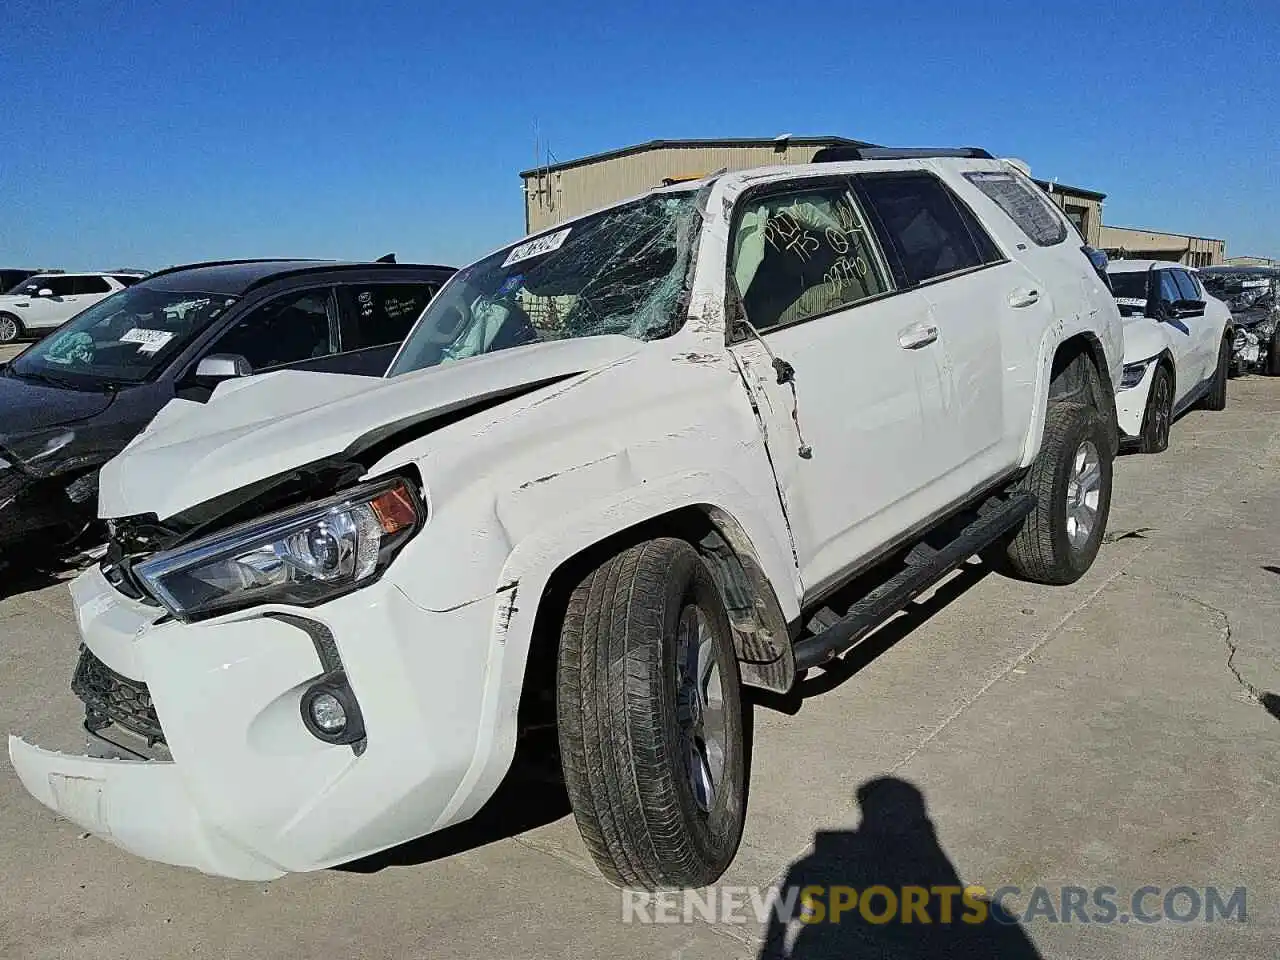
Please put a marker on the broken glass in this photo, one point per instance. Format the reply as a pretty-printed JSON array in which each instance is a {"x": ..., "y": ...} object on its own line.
[{"x": 620, "y": 271}]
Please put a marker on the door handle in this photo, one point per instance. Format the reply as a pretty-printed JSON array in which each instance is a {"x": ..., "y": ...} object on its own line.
[
  {"x": 917, "y": 335},
  {"x": 1024, "y": 298}
]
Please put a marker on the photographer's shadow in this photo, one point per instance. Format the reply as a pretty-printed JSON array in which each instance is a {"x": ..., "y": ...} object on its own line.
[{"x": 894, "y": 847}]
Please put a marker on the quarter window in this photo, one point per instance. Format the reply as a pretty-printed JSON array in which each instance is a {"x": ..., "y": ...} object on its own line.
[
  {"x": 289, "y": 329},
  {"x": 924, "y": 225},
  {"x": 383, "y": 313},
  {"x": 802, "y": 254},
  {"x": 1025, "y": 205}
]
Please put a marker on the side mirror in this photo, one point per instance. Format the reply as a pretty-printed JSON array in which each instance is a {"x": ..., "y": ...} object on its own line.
[
  {"x": 223, "y": 366},
  {"x": 44, "y": 292},
  {"x": 1188, "y": 308}
]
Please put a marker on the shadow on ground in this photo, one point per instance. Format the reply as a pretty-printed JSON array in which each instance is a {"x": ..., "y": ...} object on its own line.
[
  {"x": 530, "y": 796},
  {"x": 896, "y": 849}
]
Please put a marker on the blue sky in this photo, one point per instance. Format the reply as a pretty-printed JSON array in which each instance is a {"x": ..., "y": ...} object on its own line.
[{"x": 143, "y": 134}]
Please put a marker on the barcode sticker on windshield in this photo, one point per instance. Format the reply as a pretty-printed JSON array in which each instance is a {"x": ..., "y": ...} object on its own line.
[
  {"x": 148, "y": 341},
  {"x": 537, "y": 247}
]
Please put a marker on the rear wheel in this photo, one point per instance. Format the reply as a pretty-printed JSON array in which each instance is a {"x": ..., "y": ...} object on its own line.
[
  {"x": 10, "y": 328},
  {"x": 1158, "y": 417},
  {"x": 650, "y": 719},
  {"x": 1216, "y": 398},
  {"x": 1071, "y": 480}
]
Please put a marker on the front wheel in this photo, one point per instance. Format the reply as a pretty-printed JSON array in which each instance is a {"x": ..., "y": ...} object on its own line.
[
  {"x": 1158, "y": 416},
  {"x": 650, "y": 719},
  {"x": 1071, "y": 480},
  {"x": 10, "y": 328},
  {"x": 1216, "y": 398}
]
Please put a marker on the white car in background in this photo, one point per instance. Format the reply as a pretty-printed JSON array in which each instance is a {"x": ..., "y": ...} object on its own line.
[
  {"x": 1177, "y": 348},
  {"x": 49, "y": 300}
]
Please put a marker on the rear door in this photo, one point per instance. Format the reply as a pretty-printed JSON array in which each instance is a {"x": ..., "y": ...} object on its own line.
[
  {"x": 91, "y": 288},
  {"x": 1203, "y": 337},
  {"x": 940, "y": 249}
]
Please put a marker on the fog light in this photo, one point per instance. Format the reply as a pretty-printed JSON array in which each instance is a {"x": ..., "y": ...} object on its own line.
[
  {"x": 327, "y": 713},
  {"x": 331, "y": 713}
]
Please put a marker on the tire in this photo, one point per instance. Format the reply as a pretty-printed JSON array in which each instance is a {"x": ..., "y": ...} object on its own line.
[
  {"x": 1050, "y": 547},
  {"x": 1158, "y": 416},
  {"x": 636, "y": 760},
  {"x": 10, "y": 328},
  {"x": 1216, "y": 398},
  {"x": 1273, "y": 355}
]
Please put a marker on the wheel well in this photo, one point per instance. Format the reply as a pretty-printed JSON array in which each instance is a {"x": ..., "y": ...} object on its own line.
[
  {"x": 761, "y": 638},
  {"x": 1079, "y": 373}
]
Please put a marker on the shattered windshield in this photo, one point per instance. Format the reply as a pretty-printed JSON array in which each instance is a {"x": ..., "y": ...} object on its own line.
[
  {"x": 1244, "y": 291},
  {"x": 620, "y": 271},
  {"x": 125, "y": 338}
]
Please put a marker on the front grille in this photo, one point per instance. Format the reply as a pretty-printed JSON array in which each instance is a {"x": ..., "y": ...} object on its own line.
[{"x": 111, "y": 698}]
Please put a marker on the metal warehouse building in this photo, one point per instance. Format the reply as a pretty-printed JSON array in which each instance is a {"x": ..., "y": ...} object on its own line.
[{"x": 563, "y": 190}]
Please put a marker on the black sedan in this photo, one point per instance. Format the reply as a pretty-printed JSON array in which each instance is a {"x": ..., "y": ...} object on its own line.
[{"x": 73, "y": 400}]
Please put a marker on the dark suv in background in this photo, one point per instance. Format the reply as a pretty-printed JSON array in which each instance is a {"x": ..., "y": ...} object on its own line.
[{"x": 73, "y": 400}]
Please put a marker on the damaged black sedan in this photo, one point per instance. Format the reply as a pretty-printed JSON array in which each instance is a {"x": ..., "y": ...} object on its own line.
[
  {"x": 75, "y": 399},
  {"x": 1253, "y": 294}
]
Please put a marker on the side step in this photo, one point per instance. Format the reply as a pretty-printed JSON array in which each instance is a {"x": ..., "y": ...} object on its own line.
[{"x": 923, "y": 570}]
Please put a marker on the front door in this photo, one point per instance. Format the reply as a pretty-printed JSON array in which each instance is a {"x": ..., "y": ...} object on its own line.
[
  {"x": 45, "y": 313},
  {"x": 851, "y": 432}
]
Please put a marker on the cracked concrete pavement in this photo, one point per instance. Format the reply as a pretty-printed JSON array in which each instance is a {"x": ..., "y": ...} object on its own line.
[{"x": 1113, "y": 732}]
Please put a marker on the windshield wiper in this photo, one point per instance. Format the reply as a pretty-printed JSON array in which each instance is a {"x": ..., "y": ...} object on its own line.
[{"x": 40, "y": 377}]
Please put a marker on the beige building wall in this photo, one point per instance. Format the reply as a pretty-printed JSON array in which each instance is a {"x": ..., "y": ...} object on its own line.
[
  {"x": 558, "y": 194},
  {"x": 1084, "y": 211},
  {"x": 1134, "y": 244}
]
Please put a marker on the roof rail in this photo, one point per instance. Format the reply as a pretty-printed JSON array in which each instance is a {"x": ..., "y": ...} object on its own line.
[
  {"x": 837, "y": 153},
  {"x": 228, "y": 263}
]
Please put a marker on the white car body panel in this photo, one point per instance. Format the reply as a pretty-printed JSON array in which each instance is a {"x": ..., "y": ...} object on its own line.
[
  {"x": 1190, "y": 344},
  {"x": 436, "y": 649}
]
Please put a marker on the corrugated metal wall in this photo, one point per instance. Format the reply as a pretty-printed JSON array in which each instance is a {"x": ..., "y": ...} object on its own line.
[{"x": 561, "y": 194}]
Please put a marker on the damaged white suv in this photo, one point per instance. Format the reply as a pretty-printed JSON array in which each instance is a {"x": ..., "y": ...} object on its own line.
[{"x": 615, "y": 474}]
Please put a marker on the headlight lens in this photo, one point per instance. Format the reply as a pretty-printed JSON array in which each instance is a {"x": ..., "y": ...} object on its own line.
[
  {"x": 302, "y": 556},
  {"x": 1133, "y": 373}
]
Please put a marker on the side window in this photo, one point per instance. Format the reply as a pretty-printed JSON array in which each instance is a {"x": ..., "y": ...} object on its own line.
[
  {"x": 61, "y": 286},
  {"x": 1025, "y": 204},
  {"x": 804, "y": 253},
  {"x": 92, "y": 285},
  {"x": 382, "y": 313},
  {"x": 288, "y": 329},
  {"x": 923, "y": 223},
  {"x": 1186, "y": 284},
  {"x": 1169, "y": 291}
]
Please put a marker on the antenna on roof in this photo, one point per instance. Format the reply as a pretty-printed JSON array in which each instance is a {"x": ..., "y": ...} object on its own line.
[{"x": 386, "y": 258}]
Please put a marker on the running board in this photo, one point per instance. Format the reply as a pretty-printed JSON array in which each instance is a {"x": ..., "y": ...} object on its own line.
[{"x": 923, "y": 570}]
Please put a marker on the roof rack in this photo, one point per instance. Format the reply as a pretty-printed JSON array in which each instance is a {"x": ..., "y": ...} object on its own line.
[
  {"x": 837, "y": 153},
  {"x": 228, "y": 263}
]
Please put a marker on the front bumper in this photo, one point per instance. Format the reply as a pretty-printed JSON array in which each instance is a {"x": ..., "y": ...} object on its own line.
[
  {"x": 249, "y": 792},
  {"x": 30, "y": 504},
  {"x": 1131, "y": 403}
]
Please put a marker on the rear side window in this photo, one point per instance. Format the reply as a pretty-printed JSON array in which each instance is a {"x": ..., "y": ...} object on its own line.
[
  {"x": 931, "y": 232},
  {"x": 383, "y": 313},
  {"x": 92, "y": 285},
  {"x": 1025, "y": 205}
]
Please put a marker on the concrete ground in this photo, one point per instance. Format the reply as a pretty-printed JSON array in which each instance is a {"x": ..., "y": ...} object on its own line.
[{"x": 1114, "y": 732}]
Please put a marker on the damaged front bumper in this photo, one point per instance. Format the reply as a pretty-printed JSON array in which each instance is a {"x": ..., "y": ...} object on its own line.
[
  {"x": 249, "y": 792},
  {"x": 1131, "y": 397},
  {"x": 30, "y": 504}
]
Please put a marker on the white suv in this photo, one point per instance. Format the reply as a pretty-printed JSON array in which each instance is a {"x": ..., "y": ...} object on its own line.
[
  {"x": 49, "y": 300},
  {"x": 614, "y": 475}
]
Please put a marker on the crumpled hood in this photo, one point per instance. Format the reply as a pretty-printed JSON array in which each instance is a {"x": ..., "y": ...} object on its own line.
[
  {"x": 27, "y": 406},
  {"x": 265, "y": 425}
]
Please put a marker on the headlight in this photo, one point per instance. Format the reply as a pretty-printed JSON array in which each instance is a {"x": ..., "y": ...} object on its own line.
[
  {"x": 301, "y": 556},
  {"x": 1133, "y": 373}
]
